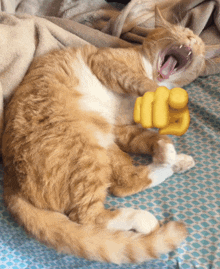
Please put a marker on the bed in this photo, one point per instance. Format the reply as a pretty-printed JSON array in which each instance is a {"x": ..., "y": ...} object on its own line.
[{"x": 192, "y": 197}]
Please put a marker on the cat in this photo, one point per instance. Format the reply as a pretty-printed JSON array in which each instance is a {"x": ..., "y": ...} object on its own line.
[{"x": 67, "y": 134}]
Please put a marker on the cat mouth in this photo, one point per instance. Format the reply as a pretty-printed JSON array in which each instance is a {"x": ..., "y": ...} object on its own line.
[{"x": 172, "y": 60}]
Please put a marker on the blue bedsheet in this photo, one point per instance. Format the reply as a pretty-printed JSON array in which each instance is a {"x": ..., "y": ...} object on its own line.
[{"x": 192, "y": 197}]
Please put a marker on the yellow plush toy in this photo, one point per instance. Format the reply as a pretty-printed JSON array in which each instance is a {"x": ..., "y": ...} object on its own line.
[{"x": 164, "y": 109}]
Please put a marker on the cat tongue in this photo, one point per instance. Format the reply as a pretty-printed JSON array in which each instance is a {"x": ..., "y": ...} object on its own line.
[{"x": 168, "y": 67}]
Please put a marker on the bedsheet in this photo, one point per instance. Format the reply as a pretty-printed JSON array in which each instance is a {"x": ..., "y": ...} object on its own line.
[{"x": 192, "y": 197}]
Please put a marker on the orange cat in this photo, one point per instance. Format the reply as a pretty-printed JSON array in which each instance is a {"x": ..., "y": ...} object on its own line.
[{"x": 67, "y": 130}]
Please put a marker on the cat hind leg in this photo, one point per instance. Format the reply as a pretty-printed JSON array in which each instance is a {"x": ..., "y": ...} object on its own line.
[
  {"x": 128, "y": 179},
  {"x": 129, "y": 219}
]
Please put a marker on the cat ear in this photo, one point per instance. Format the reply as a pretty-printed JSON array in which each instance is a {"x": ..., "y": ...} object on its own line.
[
  {"x": 159, "y": 19},
  {"x": 212, "y": 51}
]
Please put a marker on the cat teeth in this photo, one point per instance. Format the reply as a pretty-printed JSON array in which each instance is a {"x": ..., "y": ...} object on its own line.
[{"x": 189, "y": 54}]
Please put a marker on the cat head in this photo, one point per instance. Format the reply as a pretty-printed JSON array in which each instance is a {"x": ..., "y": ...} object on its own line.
[{"x": 175, "y": 52}]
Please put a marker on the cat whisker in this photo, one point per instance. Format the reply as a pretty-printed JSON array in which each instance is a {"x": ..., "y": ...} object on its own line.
[
  {"x": 212, "y": 63},
  {"x": 167, "y": 25},
  {"x": 179, "y": 17},
  {"x": 210, "y": 60},
  {"x": 179, "y": 22}
]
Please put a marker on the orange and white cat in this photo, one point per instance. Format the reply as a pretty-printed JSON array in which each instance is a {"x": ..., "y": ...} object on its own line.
[{"x": 68, "y": 128}]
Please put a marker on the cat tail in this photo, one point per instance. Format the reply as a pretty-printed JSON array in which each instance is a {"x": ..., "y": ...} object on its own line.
[{"x": 58, "y": 231}]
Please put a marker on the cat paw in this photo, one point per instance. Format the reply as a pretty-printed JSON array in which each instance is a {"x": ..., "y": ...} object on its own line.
[
  {"x": 165, "y": 153},
  {"x": 183, "y": 163},
  {"x": 129, "y": 219},
  {"x": 159, "y": 173}
]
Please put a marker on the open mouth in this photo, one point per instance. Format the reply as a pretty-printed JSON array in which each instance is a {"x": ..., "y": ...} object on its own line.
[{"x": 172, "y": 60}]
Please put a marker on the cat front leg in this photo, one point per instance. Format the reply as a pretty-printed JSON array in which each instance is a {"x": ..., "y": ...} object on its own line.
[
  {"x": 135, "y": 139},
  {"x": 114, "y": 69}
]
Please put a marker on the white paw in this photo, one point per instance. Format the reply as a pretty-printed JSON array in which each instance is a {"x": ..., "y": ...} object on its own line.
[
  {"x": 159, "y": 173},
  {"x": 130, "y": 219},
  {"x": 166, "y": 153},
  {"x": 183, "y": 163},
  {"x": 170, "y": 154}
]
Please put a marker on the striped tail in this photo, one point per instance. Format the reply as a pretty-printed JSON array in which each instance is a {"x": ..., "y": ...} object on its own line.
[{"x": 58, "y": 231}]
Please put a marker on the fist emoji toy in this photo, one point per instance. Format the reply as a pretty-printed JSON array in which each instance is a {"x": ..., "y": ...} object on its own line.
[{"x": 164, "y": 109}]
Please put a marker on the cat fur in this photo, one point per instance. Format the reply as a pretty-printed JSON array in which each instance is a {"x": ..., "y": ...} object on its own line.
[{"x": 68, "y": 130}]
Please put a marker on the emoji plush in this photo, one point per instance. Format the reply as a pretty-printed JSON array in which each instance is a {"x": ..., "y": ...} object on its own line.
[{"x": 163, "y": 109}]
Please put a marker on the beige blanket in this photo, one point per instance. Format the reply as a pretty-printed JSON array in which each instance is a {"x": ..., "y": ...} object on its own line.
[{"x": 30, "y": 28}]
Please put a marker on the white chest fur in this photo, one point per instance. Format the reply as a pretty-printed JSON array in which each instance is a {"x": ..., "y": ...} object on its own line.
[
  {"x": 96, "y": 97},
  {"x": 147, "y": 67}
]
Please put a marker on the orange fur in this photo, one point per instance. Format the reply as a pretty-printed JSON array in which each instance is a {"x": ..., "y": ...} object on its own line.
[{"x": 65, "y": 145}]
